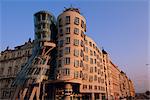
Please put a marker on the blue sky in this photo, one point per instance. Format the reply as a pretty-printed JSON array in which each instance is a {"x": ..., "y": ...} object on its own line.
[{"x": 119, "y": 26}]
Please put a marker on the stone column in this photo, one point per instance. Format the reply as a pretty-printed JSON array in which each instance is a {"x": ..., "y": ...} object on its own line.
[
  {"x": 93, "y": 97},
  {"x": 68, "y": 91},
  {"x": 100, "y": 96}
]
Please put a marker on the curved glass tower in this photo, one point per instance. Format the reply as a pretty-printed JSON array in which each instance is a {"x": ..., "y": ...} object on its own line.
[{"x": 45, "y": 26}]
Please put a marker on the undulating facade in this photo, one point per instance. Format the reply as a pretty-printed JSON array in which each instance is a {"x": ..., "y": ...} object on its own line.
[{"x": 82, "y": 71}]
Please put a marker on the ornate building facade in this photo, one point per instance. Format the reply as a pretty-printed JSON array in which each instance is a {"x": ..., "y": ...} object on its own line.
[{"x": 83, "y": 71}]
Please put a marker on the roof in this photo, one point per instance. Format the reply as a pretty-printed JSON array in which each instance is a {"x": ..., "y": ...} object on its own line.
[
  {"x": 43, "y": 11},
  {"x": 104, "y": 52},
  {"x": 72, "y": 9}
]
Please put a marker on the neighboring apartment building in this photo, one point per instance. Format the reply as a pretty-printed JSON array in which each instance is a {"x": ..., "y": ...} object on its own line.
[
  {"x": 83, "y": 71},
  {"x": 132, "y": 90},
  {"x": 114, "y": 81},
  {"x": 124, "y": 85},
  {"x": 11, "y": 62}
]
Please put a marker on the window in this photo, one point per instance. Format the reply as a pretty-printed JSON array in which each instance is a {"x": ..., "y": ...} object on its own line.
[
  {"x": 67, "y": 71},
  {"x": 94, "y": 61},
  {"x": 82, "y": 24},
  {"x": 86, "y": 67},
  {"x": 91, "y": 69},
  {"x": 61, "y": 42},
  {"x": 91, "y": 60},
  {"x": 67, "y": 19},
  {"x": 99, "y": 79},
  {"x": 9, "y": 71},
  {"x": 102, "y": 80},
  {"x": 1, "y": 71},
  {"x": 99, "y": 71},
  {"x": 85, "y": 77},
  {"x": 60, "y": 22},
  {"x": 43, "y": 26},
  {"x": 76, "y": 42},
  {"x": 94, "y": 53},
  {"x": 91, "y": 53},
  {"x": 95, "y": 69},
  {"x": 59, "y": 63},
  {"x": 67, "y": 50},
  {"x": 31, "y": 71},
  {"x": 44, "y": 35},
  {"x": 82, "y": 44},
  {"x": 81, "y": 64},
  {"x": 38, "y": 17},
  {"x": 99, "y": 87},
  {"x": 82, "y": 34},
  {"x": 95, "y": 87},
  {"x": 90, "y": 87},
  {"x": 76, "y": 52},
  {"x": 37, "y": 71},
  {"x": 86, "y": 49},
  {"x": 95, "y": 77},
  {"x": 76, "y": 63},
  {"x": 81, "y": 53},
  {"x": 61, "y": 32},
  {"x": 67, "y": 30},
  {"x": 84, "y": 86},
  {"x": 76, "y": 74},
  {"x": 60, "y": 53},
  {"x": 76, "y": 31},
  {"x": 90, "y": 43},
  {"x": 76, "y": 21},
  {"x": 39, "y": 27},
  {"x": 67, "y": 60},
  {"x": 86, "y": 58},
  {"x": 81, "y": 74},
  {"x": 67, "y": 40},
  {"x": 90, "y": 78},
  {"x": 43, "y": 16}
]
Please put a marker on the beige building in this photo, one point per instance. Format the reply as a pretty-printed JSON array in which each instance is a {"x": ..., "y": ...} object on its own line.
[
  {"x": 79, "y": 58},
  {"x": 114, "y": 81},
  {"x": 124, "y": 85},
  {"x": 132, "y": 90},
  {"x": 83, "y": 71},
  {"x": 11, "y": 62}
]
